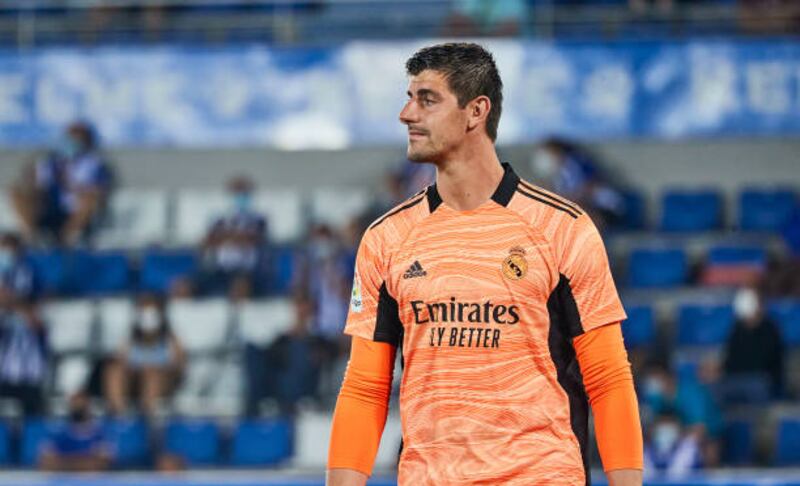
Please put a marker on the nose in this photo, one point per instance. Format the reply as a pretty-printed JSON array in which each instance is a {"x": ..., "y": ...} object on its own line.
[{"x": 408, "y": 114}]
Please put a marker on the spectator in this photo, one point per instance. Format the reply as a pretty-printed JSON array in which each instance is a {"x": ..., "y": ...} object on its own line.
[
  {"x": 16, "y": 273},
  {"x": 327, "y": 279},
  {"x": 80, "y": 445},
  {"x": 233, "y": 250},
  {"x": 24, "y": 355},
  {"x": 295, "y": 359},
  {"x": 754, "y": 354},
  {"x": 671, "y": 449},
  {"x": 769, "y": 16},
  {"x": 62, "y": 196},
  {"x": 150, "y": 365},
  {"x": 487, "y": 17},
  {"x": 570, "y": 171},
  {"x": 644, "y": 7}
]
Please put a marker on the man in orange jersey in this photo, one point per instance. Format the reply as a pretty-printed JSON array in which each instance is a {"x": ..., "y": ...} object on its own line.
[{"x": 499, "y": 296}]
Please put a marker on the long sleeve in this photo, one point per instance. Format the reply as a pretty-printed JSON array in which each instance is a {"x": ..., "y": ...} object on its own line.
[
  {"x": 362, "y": 406},
  {"x": 609, "y": 384}
]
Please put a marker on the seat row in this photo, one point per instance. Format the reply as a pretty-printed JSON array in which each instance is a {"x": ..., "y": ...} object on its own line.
[{"x": 198, "y": 442}]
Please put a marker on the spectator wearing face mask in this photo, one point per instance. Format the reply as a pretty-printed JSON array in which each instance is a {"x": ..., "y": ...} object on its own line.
[
  {"x": 24, "y": 355},
  {"x": 61, "y": 196},
  {"x": 233, "y": 250},
  {"x": 149, "y": 366},
  {"x": 17, "y": 279},
  {"x": 671, "y": 449},
  {"x": 754, "y": 354},
  {"x": 80, "y": 445}
]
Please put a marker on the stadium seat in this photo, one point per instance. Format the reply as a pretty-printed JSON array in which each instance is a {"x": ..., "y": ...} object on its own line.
[
  {"x": 657, "y": 268},
  {"x": 337, "y": 207},
  {"x": 639, "y": 329},
  {"x": 200, "y": 378},
  {"x": 34, "y": 433},
  {"x": 282, "y": 262},
  {"x": 137, "y": 218},
  {"x": 734, "y": 265},
  {"x": 737, "y": 443},
  {"x": 261, "y": 443},
  {"x": 71, "y": 375},
  {"x": 160, "y": 268},
  {"x": 195, "y": 211},
  {"x": 130, "y": 439},
  {"x": 5, "y": 444},
  {"x": 704, "y": 325},
  {"x": 765, "y": 209},
  {"x": 786, "y": 314},
  {"x": 69, "y": 325},
  {"x": 99, "y": 273},
  {"x": 116, "y": 317},
  {"x": 283, "y": 209},
  {"x": 634, "y": 216},
  {"x": 686, "y": 211},
  {"x": 50, "y": 268},
  {"x": 261, "y": 322},
  {"x": 8, "y": 217},
  {"x": 787, "y": 449},
  {"x": 200, "y": 325},
  {"x": 197, "y": 442}
]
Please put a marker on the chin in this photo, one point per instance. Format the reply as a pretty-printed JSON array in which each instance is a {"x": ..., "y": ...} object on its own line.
[{"x": 420, "y": 156}]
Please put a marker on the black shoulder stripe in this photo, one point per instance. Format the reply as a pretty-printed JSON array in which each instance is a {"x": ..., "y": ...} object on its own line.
[
  {"x": 401, "y": 208},
  {"x": 545, "y": 195},
  {"x": 549, "y": 203}
]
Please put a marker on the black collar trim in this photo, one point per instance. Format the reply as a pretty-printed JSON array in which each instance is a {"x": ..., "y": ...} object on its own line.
[{"x": 502, "y": 195}]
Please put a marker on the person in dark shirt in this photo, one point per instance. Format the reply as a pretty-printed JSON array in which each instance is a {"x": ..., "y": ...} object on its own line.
[
  {"x": 17, "y": 278},
  {"x": 62, "y": 195},
  {"x": 78, "y": 445},
  {"x": 754, "y": 354},
  {"x": 24, "y": 355}
]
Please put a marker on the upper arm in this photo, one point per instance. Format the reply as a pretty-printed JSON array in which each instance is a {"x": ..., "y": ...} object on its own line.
[
  {"x": 373, "y": 313},
  {"x": 586, "y": 280}
]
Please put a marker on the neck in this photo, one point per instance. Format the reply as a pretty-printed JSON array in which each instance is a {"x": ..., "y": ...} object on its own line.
[{"x": 468, "y": 178}]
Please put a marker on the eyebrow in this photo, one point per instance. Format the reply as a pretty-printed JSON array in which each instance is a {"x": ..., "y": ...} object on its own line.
[{"x": 424, "y": 92}]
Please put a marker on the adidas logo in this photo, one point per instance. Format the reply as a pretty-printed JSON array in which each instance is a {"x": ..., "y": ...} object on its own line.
[{"x": 415, "y": 270}]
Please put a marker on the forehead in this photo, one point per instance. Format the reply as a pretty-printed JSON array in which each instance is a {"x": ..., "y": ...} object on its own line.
[{"x": 428, "y": 80}]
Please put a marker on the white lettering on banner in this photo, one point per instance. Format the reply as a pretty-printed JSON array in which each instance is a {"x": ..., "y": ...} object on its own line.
[
  {"x": 12, "y": 108},
  {"x": 168, "y": 113},
  {"x": 542, "y": 87},
  {"x": 712, "y": 88},
  {"x": 230, "y": 96},
  {"x": 607, "y": 93},
  {"x": 767, "y": 86},
  {"x": 114, "y": 101},
  {"x": 54, "y": 103}
]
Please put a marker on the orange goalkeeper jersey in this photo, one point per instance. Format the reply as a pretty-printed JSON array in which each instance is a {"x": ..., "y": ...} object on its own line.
[{"x": 484, "y": 305}]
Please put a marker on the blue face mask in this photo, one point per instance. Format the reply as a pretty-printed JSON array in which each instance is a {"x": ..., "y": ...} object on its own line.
[
  {"x": 242, "y": 201},
  {"x": 70, "y": 148}
]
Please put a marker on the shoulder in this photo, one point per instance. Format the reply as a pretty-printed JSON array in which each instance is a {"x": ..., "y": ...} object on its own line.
[
  {"x": 537, "y": 201},
  {"x": 393, "y": 225}
]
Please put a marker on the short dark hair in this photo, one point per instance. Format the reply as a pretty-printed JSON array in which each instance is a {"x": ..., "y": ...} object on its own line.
[{"x": 470, "y": 71}]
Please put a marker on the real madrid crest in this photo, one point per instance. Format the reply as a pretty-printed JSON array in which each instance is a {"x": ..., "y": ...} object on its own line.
[{"x": 515, "y": 266}]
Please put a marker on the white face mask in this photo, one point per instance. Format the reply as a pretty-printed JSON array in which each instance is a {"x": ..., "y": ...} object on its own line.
[
  {"x": 544, "y": 164},
  {"x": 149, "y": 319},
  {"x": 745, "y": 304},
  {"x": 665, "y": 436}
]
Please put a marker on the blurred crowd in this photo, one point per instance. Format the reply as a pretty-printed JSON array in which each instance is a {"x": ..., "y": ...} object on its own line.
[{"x": 62, "y": 197}]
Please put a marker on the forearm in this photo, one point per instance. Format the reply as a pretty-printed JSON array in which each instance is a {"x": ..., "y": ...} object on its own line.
[
  {"x": 624, "y": 477},
  {"x": 345, "y": 477},
  {"x": 361, "y": 410}
]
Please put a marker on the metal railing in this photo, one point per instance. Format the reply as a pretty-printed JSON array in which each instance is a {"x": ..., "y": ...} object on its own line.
[{"x": 31, "y": 23}]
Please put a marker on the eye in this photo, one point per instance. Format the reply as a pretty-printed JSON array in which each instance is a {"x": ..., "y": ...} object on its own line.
[{"x": 427, "y": 102}]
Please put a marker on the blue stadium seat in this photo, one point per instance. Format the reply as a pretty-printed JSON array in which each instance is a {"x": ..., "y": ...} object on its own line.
[
  {"x": 196, "y": 441},
  {"x": 282, "y": 263},
  {"x": 787, "y": 450},
  {"x": 160, "y": 268},
  {"x": 786, "y": 314},
  {"x": 704, "y": 325},
  {"x": 5, "y": 443},
  {"x": 691, "y": 211},
  {"x": 640, "y": 328},
  {"x": 261, "y": 443},
  {"x": 657, "y": 268},
  {"x": 634, "y": 215},
  {"x": 101, "y": 273},
  {"x": 50, "y": 268},
  {"x": 34, "y": 433},
  {"x": 130, "y": 439},
  {"x": 737, "y": 443},
  {"x": 737, "y": 255},
  {"x": 765, "y": 210}
]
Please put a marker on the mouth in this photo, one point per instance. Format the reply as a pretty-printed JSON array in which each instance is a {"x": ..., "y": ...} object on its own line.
[{"x": 415, "y": 134}]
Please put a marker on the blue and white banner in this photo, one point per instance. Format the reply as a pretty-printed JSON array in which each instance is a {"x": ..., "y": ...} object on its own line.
[{"x": 351, "y": 95}]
